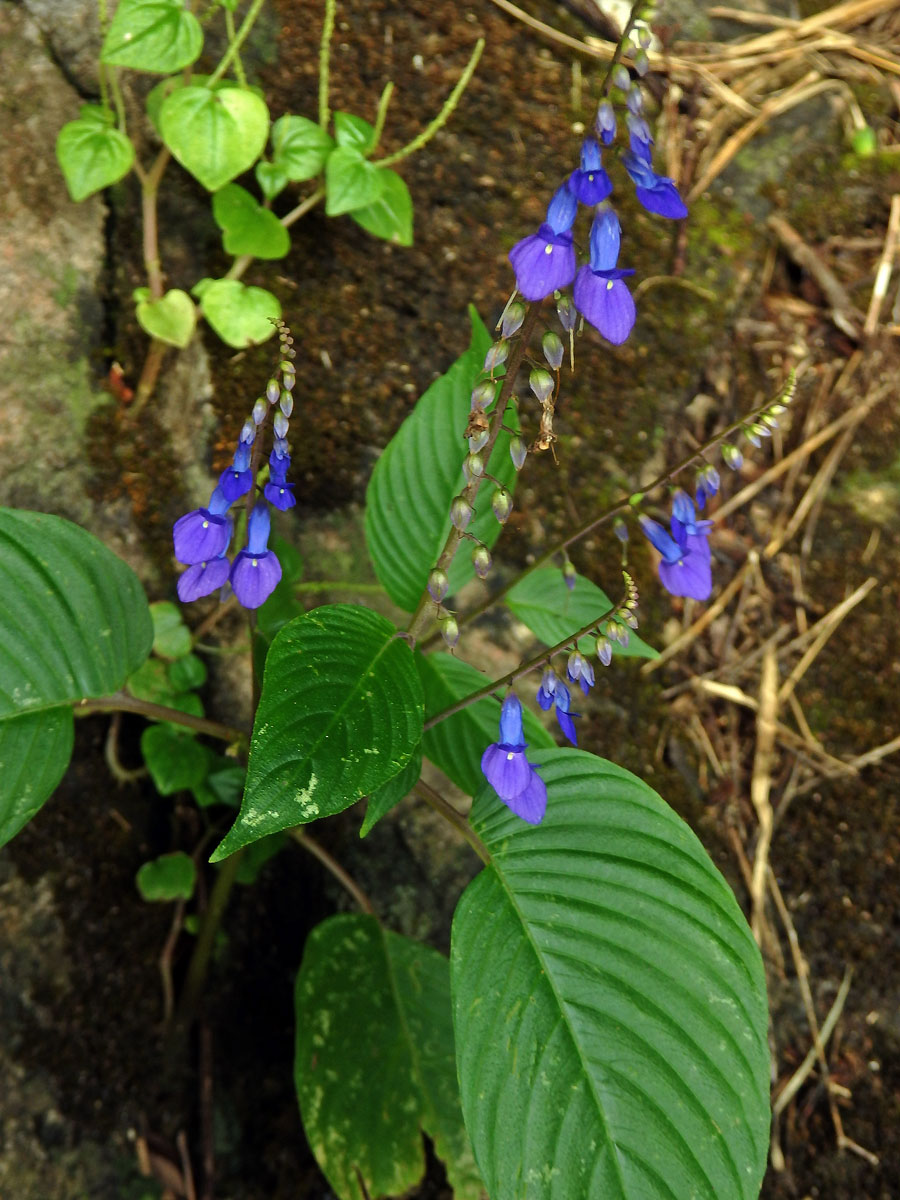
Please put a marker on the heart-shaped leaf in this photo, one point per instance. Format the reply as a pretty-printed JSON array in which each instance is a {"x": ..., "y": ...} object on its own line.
[
  {"x": 300, "y": 147},
  {"x": 374, "y": 1063},
  {"x": 350, "y": 181},
  {"x": 169, "y": 877},
  {"x": 390, "y": 217},
  {"x": 350, "y": 130},
  {"x": 248, "y": 227},
  {"x": 340, "y": 714},
  {"x": 240, "y": 315},
  {"x": 215, "y": 135},
  {"x": 271, "y": 179},
  {"x": 152, "y": 35},
  {"x": 609, "y": 1002},
  {"x": 171, "y": 319},
  {"x": 92, "y": 155}
]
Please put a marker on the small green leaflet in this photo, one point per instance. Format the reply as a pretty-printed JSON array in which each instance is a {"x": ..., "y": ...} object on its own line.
[
  {"x": 152, "y": 35},
  {"x": 92, "y": 155},
  {"x": 171, "y": 319},
  {"x": 391, "y": 215},
  {"x": 248, "y": 228},
  {"x": 300, "y": 147}
]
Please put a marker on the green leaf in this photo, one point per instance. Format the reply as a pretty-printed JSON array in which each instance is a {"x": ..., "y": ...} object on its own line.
[
  {"x": 166, "y": 87},
  {"x": 248, "y": 227},
  {"x": 408, "y": 500},
  {"x": 175, "y": 759},
  {"x": 171, "y": 637},
  {"x": 551, "y": 611},
  {"x": 35, "y": 749},
  {"x": 187, "y": 673},
  {"x": 391, "y": 793},
  {"x": 151, "y": 682},
  {"x": 271, "y": 179},
  {"x": 241, "y": 315},
  {"x": 224, "y": 782},
  {"x": 152, "y": 35},
  {"x": 457, "y": 743},
  {"x": 609, "y": 1002},
  {"x": 169, "y": 877},
  {"x": 340, "y": 714},
  {"x": 350, "y": 181},
  {"x": 353, "y": 131},
  {"x": 215, "y": 135},
  {"x": 91, "y": 156},
  {"x": 73, "y": 623},
  {"x": 374, "y": 1060},
  {"x": 171, "y": 319},
  {"x": 257, "y": 855},
  {"x": 390, "y": 217},
  {"x": 300, "y": 147}
]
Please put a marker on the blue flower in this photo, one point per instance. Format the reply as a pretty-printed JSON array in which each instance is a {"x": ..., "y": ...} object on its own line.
[
  {"x": 545, "y": 261},
  {"x": 600, "y": 295},
  {"x": 204, "y": 534},
  {"x": 707, "y": 485},
  {"x": 554, "y": 691},
  {"x": 657, "y": 193},
  {"x": 684, "y": 569},
  {"x": 590, "y": 184},
  {"x": 256, "y": 570},
  {"x": 236, "y": 480},
  {"x": 508, "y": 771},
  {"x": 202, "y": 579}
]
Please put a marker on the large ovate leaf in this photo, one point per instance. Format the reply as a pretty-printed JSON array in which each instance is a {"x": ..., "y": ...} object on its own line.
[
  {"x": 457, "y": 743},
  {"x": 409, "y": 495},
  {"x": 374, "y": 1061},
  {"x": 391, "y": 216},
  {"x": 609, "y": 1002},
  {"x": 542, "y": 601},
  {"x": 92, "y": 155},
  {"x": 152, "y": 35},
  {"x": 73, "y": 623},
  {"x": 350, "y": 181},
  {"x": 340, "y": 714},
  {"x": 390, "y": 794},
  {"x": 214, "y": 134}
]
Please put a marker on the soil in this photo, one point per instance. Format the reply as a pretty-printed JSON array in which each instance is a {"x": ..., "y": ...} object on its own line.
[{"x": 375, "y": 324}]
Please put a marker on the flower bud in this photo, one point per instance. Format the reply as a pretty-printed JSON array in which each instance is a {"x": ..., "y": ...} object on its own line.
[
  {"x": 574, "y": 665},
  {"x": 604, "y": 650},
  {"x": 461, "y": 513},
  {"x": 620, "y": 529},
  {"x": 481, "y": 561},
  {"x": 497, "y": 355},
  {"x": 518, "y": 451},
  {"x": 483, "y": 394},
  {"x": 635, "y": 99},
  {"x": 501, "y": 505},
  {"x": 644, "y": 37},
  {"x": 567, "y": 313},
  {"x": 280, "y": 447},
  {"x": 248, "y": 432},
  {"x": 286, "y": 403},
  {"x": 288, "y": 379},
  {"x": 731, "y": 456},
  {"x": 570, "y": 575},
  {"x": 553, "y": 349},
  {"x": 478, "y": 440},
  {"x": 641, "y": 62},
  {"x": 621, "y": 78},
  {"x": 438, "y": 584},
  {"x": 272, "y": 391},
  {"x": 450, "y": 631},
  {"x": 281, "y": 425},
  {"x": 260, "y": 408},
  {"x": 512, "y": 319},
  {"x": 541, "y": 383},
  {"x": 473, "y": 467}
]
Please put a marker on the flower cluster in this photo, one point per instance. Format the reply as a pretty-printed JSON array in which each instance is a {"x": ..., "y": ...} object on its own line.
[
  {"x": 202, "y": 538},
  {"x": 545, "y": 261},
  {"x": 508, "y": 771},
  {"x": 684, "y": 568}
]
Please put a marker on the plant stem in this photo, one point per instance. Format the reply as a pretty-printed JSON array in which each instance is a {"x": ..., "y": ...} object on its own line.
[
  {"x": 302, "y": 838},
  {"x": 324, "y": 58},
  {"x": 238, "y": 65},
  {"x": 427, "y": 793},
  {"x": 235, "y": 43},
  {"x": 122, "y": 702},
  {"x": 422, "y": 615},
  {"x": 198, "y": 967},
  {"x": 443, "y": 116},
  {"x": 381, "y": 115}
]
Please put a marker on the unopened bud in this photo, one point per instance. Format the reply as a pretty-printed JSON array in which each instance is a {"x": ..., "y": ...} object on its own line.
[
  {"x": 280, "y": 447},
  {"x": 461, "y": 513},
  {"x": 628, "y": 617},
  {"x": 642, "y": 62},
  {"x": 512, "y": 319},
  {"x": 481, "y": 561},
  {"x": 617, "y": 633},
  {"x": 604, "y": 650},
  {"x": 438, "y": 584},
  {"x": 473, "y": 467},
  {"x": 621, "y": 78},
  {"x": 496, "y": 356},
  {"x": 551, "y": 344},
  {"x": 605, "y": 121},
  {"x": 272, "y": 391},
  {"x": 483, "y": 394},
  {"x": 731, "y": 456},
  {"x": 518, "y": 452},
  {"x": 450, "y": 631},
  {"x": 567, "y": 313},
  {"x": 501, "y": 505},
  {"x": 288, "y": 379},
  {"x": 260, "y": 408},
  {"x": 478, "y": 441},
  {"x": 281, "y": 425},
  {"x": 635, "y": 99},
  {"x": 620, "y": 529},
  {"x": 570, "y": 575},
  {"x": 644, "y": 37},
  {"x": 286, "y": 403},
  {"x": 768, "y": 418},
  {"x": 541, "y": 383},
  {"x": 574, "y": 665},
  {"x": 248, "y": 432}
]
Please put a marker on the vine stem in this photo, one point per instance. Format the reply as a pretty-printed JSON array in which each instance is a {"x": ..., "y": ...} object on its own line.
[
  {"x": 122, "y": 702},
  {"x": 236, "y": 43},
  {"x": 423, "y": 613},
  {"x": 302, "y": 838},
  {"x": 229, "y": 30},
  {"x": 427, "y": 793},
  {"x": 324, "y": 61},
  {"x": 198, "y": 967}
]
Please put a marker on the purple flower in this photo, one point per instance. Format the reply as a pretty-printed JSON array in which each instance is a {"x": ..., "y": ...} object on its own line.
[
  {"x": 684, "y": 569},
  {"x": 236, "y": 480},
  {"x": 657, "y": 193},
  {"x": 203, "y": 534},
  {"x": 508, "y": 771},
  {"x": 256, "y": 570},
  {"x": 590, "y": 184},
  {"x": 545, "y": 261},
  {"x": 707, "y": 485},
  {"x": 280, "y": 494},
  {"x": 554, "y": 691},
  {"x": 600, "y": 295},
  {"x": 202, "y": 579}
]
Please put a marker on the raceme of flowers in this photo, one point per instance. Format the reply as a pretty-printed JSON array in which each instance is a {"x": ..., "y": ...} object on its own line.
[
  {"x": 203, "y": 537},
  {"x": 545, "y": 261}
]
